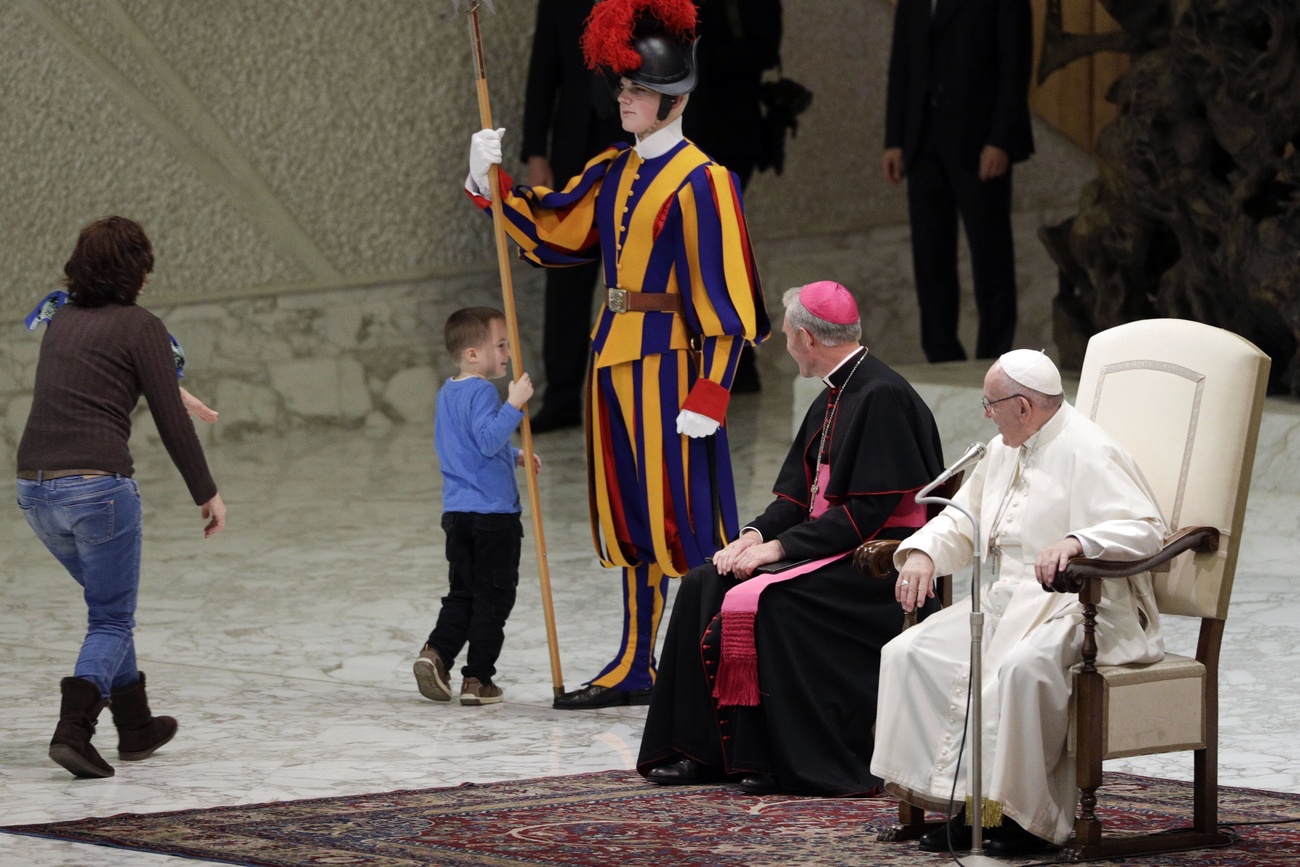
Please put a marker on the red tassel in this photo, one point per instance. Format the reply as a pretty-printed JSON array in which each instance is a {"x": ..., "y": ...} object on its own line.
[
  {"x": 607, "y": 37},
  {"x": 737, "y": 683}
]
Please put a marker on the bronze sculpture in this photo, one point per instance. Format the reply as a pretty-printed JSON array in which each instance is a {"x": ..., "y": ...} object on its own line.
[{"x": 1195, "y": 211}]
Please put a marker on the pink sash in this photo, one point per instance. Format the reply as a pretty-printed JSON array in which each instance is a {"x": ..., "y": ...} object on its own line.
[{"x": 737, "y": 681}]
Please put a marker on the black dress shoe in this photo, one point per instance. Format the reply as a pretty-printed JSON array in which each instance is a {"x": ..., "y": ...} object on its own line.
[
  {"x": 1012, "y": 840},
  {"x": 938, "y": 839},
  {"x": 591, "y": 697},
  {"x": 548, "y": 419},
  {"x": 683, "y": 772},
  {"x": 759, "y": 784}
]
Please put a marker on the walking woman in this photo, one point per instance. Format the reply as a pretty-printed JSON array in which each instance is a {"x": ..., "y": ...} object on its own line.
[{"x": 100, "y": 353}]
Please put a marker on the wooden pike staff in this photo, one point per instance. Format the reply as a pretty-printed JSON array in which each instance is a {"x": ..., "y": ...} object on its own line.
[{"x": 516, "y": 353}]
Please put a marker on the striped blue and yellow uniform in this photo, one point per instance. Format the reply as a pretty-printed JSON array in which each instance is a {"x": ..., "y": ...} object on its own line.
[{"x": 673, "y": 225}]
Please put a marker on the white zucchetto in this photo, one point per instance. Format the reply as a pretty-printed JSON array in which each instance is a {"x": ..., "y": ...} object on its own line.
[{"x": 1032, "y": 369}]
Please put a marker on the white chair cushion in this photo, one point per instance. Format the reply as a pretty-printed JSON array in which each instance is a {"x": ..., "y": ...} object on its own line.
[{"x": 1155, "y": 708}]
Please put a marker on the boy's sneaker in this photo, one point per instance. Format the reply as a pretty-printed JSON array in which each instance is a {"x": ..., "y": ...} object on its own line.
[
  {"x": 475, "y": 692},
  {"x": 431, "y": 675}
]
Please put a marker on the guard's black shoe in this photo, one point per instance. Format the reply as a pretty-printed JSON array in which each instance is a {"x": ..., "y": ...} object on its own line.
[
  {"x": 938, "y": 839},
  {"x": 683, "y": 772},
  {"x": 759, "y": 784},
  {"x": 1012, "y": 840},
  {"x": 591, "y": 697}
]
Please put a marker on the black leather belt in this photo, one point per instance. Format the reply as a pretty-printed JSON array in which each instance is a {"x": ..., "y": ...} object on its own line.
[{"x": 41, "y": 475}]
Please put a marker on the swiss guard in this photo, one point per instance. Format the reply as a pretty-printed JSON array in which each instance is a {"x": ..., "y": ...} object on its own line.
[{"x": 682, "y": 298}]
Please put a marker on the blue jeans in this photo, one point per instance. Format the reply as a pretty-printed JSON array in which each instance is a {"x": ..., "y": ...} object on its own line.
[{"x": 94, "y": 527}]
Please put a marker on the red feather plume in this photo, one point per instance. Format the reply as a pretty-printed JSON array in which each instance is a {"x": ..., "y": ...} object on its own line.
[{"x": 607, "y": 38}]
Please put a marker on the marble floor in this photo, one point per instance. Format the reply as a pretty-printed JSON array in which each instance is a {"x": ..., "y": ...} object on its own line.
[{"x": 284, "y": 644}]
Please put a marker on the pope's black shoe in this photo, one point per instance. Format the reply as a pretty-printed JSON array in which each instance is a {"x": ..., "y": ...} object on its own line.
[
  {"x": 591, "y": 697},
  {"x": 938, "y": 839},
  {"x": 758, "y": 784},
  {"x": 1012, "y": 840},
  {"x": 683, "y": 772}
]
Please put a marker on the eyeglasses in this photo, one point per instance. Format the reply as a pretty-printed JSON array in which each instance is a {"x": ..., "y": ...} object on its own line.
[{"x": 988, "y": 403}]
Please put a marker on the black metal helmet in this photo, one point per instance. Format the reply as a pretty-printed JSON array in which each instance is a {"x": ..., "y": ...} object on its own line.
[
  {"x": 649, "y": 42},
  {"x": 667, "y": 63}
]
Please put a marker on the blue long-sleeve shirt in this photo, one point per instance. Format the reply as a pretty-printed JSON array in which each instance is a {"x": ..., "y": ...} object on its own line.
[{"x": 471, "y": 434}]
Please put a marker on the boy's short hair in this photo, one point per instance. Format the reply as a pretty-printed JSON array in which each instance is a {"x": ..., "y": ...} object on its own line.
[{"x": 468, "y": 327}]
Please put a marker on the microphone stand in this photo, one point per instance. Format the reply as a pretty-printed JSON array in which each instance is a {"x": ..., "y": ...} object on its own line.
[{"x": 975, "y": 771}]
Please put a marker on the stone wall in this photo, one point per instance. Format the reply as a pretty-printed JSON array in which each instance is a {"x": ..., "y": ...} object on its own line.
[{"x": 298, "y": 165}]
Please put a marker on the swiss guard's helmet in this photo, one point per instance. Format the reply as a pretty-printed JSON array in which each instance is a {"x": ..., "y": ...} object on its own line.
[{"x": 649, "y": 42}]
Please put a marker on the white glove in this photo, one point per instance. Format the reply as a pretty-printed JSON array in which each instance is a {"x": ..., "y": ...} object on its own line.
[
  {"x": 484, "y": 152},
  {"x": 694, "y": 425}
]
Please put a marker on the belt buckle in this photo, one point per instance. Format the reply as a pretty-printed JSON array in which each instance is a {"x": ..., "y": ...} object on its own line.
[{"x": 617, "y": 301}]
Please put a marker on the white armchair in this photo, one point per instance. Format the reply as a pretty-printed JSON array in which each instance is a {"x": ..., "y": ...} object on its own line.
[{"x": 1185, "y": 399}]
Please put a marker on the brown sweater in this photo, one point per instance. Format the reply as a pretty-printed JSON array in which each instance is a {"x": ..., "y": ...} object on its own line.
[{"x": 94, "y": 365}]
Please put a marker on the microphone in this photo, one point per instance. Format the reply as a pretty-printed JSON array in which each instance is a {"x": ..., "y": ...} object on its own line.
[{"x": 974, "y": 452}]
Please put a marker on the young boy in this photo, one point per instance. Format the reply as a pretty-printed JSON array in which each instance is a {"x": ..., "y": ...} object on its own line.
[{"x": 480, "y": 500}]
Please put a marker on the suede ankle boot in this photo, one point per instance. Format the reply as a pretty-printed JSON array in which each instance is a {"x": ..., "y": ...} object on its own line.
[
  {"x": 71, "y": 746},
  {"x": 139, "y": 732}
]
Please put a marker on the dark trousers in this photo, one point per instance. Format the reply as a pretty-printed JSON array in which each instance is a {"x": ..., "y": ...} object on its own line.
[
  {"x": 566, "y": 334},
  {"x": 483, "y": 571},
  {"x": 940, "y": 186}
]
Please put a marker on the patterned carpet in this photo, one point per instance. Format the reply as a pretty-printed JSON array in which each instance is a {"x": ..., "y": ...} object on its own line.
[{"x": 617, "y": 818}]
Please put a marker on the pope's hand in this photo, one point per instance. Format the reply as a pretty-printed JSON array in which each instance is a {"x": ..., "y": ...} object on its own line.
[
  {"x": 1052, "y": 559},
  {"x": 915, "y": 580}
]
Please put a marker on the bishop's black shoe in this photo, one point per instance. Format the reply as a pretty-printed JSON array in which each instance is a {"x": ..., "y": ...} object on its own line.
[
  {"x": 683, "y": 772},
  {"x": 758, "y": 784},
  {"x": 592, "y": 697}
]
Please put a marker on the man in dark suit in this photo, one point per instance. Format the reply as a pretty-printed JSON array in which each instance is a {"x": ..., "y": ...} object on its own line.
[
  {"x": 739, "y": 40},
  {"x": 957, "y": 117},
  {"x": 570, "y": 114}
]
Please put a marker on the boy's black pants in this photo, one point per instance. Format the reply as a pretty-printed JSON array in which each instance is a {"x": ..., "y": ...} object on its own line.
[{"x": 483, "y": 570}]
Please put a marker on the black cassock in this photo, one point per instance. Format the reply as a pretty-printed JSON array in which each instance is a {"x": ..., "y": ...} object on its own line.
[{"x": 819, "y": 635}]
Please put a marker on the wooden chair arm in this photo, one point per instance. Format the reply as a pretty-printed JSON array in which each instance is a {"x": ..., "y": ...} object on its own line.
[
  {"x": 875, "y": 559},
  {"x": 1071, "y": 579}
]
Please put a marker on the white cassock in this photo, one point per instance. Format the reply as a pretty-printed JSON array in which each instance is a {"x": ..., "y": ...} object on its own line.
[{"x": 1069, "y": 479}]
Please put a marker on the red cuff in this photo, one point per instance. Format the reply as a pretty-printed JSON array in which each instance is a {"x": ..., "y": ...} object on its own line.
[
  {"x": 483, "y": 203},
  {"x": 708, "y": 399}
]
